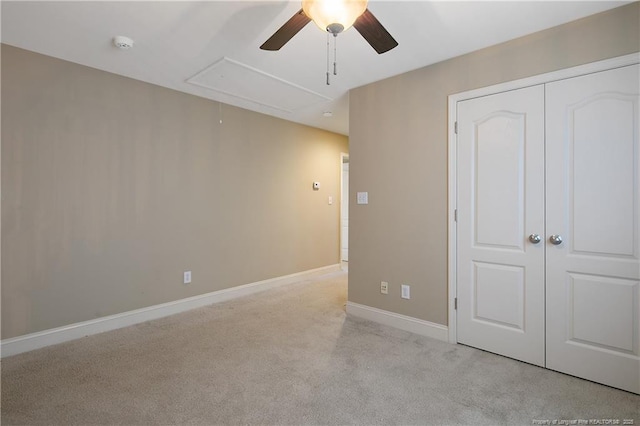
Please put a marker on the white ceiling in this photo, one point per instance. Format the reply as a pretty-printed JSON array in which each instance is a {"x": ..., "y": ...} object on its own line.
[{"x": 211, "y": 48}]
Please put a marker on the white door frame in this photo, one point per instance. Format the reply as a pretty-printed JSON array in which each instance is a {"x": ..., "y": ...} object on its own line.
[
  {"x": 590, "y": 68},
  {"x": 343, "y": 155}
]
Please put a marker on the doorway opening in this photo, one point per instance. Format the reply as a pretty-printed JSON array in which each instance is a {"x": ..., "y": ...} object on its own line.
[{"x": 344, "y": 209}]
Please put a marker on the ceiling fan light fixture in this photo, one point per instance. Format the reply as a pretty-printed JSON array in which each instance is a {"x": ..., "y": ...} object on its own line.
[{"x": 334, "y": 16}]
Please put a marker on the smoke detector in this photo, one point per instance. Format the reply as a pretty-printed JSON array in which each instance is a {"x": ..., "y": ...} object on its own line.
[{"x": 122, "y": 42}]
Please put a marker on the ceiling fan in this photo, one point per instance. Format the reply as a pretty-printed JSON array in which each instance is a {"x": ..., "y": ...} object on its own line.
[{"x": 334, "y": 17}]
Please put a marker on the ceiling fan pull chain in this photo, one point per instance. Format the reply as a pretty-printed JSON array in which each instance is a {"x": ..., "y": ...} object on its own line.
[
  {"x": 328, "y": 83},
  {"x": 335, "y": 54}
]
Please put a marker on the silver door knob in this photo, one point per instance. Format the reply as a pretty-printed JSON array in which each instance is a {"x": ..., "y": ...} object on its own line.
[
  {"x": 535, "y": 238},
  {"x": 555, "y": 239}
]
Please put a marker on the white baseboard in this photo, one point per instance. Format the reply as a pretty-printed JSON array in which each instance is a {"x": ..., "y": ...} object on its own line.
[
  {"x": 402, "y": 322},
  {"x": 29, "y": 342}
]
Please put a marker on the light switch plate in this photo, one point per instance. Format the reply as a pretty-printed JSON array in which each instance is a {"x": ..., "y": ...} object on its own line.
[
  {"x": 362, "y": 198},
  {"x": 186, "y": 277}
]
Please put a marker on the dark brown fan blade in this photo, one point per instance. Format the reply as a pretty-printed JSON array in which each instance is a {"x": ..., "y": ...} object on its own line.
[
  {"x": 286, "y": 32},
  {"x": 375, "y": 34}
]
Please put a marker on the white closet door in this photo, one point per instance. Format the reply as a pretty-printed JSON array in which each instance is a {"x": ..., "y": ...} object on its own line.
[
  {"x": 593, "y": 185},
  {"x": 500, "y": 272}
]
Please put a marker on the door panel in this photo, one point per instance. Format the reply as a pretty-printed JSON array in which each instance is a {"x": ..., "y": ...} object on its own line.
[
  {"x": 589, "y": 294},
  {"x": 499, "y": 178},
  {"x": 601, "y": 156},
  {"x": 593, "y": 187},
  {"x": 500, "y": 203},
  {"x": 498, "y": 294}
]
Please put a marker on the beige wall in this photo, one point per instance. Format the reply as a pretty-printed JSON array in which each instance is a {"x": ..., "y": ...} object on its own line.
[
  {"x": 112, "y": 188},
  {"x": 398, "y": 153}
]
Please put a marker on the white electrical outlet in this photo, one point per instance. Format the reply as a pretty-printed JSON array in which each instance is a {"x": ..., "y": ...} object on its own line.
[
  {"x": 186, "y": 278},
  {"x": 384, "y": 287},
  {"x": 406, "y": 291}
]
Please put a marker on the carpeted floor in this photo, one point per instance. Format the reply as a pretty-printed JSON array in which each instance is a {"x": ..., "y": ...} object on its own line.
[{"x": 289, "y": 356}]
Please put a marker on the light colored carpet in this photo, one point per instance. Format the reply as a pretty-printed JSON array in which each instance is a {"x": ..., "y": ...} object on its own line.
[{"x": 288, "y": 356}]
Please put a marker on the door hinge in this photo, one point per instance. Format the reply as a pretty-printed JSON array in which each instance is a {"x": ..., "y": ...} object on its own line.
[
  {"x": 455, "y": 127},
  {"x": 455, "y": 303},
  {"x": 455, "y": 215}
]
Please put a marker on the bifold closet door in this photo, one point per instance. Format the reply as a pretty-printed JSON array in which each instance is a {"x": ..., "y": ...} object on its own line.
[
  {"x": 500, "y": 227},
  {"x": 592, "y": 199}
]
